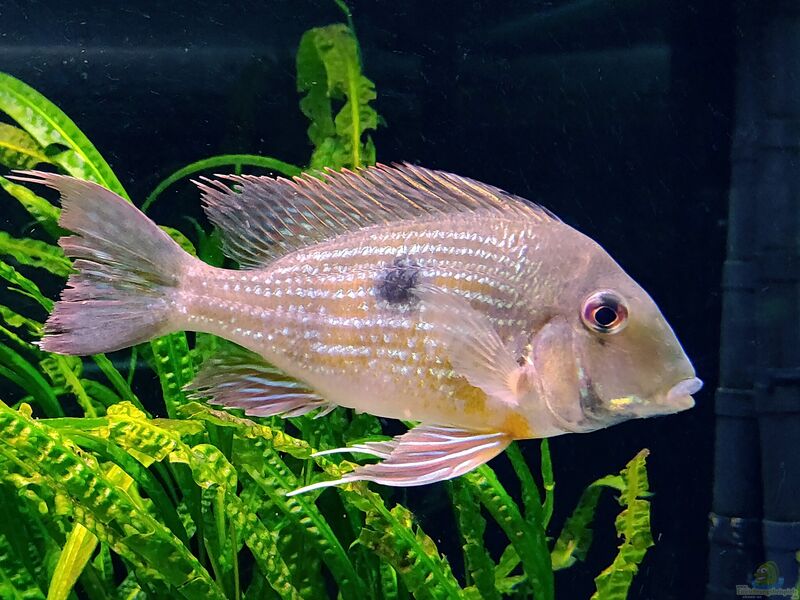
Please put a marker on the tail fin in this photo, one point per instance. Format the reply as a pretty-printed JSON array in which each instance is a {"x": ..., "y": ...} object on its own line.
[{"x": 127, "y": 271}]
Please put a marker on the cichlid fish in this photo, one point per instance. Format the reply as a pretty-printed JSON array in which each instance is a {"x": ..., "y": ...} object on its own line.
[{"x": 398, "y": 291}]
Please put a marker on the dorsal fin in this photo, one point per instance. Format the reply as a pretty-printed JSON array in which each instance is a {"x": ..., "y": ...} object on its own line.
[{"x": 262, "y": 218}]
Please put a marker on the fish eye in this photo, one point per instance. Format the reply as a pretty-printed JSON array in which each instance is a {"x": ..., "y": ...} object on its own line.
[{"x": 605, "y": 311}]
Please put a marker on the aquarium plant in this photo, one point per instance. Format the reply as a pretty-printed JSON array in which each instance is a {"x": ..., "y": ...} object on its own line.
[{"x": 104, "y": 496}]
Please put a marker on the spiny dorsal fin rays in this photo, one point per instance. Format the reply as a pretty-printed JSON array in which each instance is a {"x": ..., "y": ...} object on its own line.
[
  {"x": 262, "y": 218},
  {"x": 424, "y": 454}
]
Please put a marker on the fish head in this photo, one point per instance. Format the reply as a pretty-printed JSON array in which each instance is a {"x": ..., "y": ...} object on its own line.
[{"x": 607, "y": 354}]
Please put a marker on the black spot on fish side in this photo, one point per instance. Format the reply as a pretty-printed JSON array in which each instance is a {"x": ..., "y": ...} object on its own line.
[{"x": 396, "y": 283}]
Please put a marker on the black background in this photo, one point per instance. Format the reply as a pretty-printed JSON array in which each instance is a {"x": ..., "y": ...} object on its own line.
[{"x": 615, "y": 115}]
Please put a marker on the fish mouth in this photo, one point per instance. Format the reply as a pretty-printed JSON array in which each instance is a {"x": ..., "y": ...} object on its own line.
[{"x": 680, "y": 395}]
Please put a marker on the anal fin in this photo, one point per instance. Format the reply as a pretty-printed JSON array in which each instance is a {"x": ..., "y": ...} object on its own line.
[
  {"x": 238, "y": 378},
  {"x": 424, "y": 454}
]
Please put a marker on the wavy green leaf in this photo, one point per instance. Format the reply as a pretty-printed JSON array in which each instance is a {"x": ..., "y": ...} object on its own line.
[
  {"x": 181, "y": 239},
  {"x": 80, "y": 546},
  {"x": 395, "y": 537},
  {"x": 471, "y": 524},
  {"x": 274, "y": 479},
  {"x": 16, "y": 581},
  {"x": 528, "y": 538},
  {"x": 633, "y": 526},
  {"x": 548, "y": 483},
  {"x": 10, "y": 320},
  {"x": 117, "y": 380},
  {"x": 173, "y": 363},
  {"x": 64, "y": 143},
  {"x": 23, "y": 285},
  {"x": 329, "y": 69},
  {"x": 94, "y": 501},
  {"x": 40, "y": 209},
  {"x": 18, "y": 150},
  {"x": 35, "y": 253}
]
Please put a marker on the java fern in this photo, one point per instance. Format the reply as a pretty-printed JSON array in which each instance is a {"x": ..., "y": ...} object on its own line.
[{"x": 119, "y": 503}]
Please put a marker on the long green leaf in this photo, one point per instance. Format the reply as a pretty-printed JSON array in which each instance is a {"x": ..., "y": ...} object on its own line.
[
  {"x": 16, "y": 582},
  {"x": 117, "y": 380},
  {"x": 18, "y": 150},
  {"x": 64, "y": 142},
  {"x": 394, "y": 536},
  {"x": 215, "y": 162},
  {"x": 471, "y": 524},
  {"x": 576, "y": 535},
  {"x": 78, "y": 550},
  {"x": 24, "y": 285},
  {"x": 17, "y": 369},
  {"x": 275, "y": 480},
  {"x": 102, "y": 507},
  {"x": 10, "y": 319},
  {"x": 172, "y": 360},
  {"x": 40, "y": 209},
  {"x": 528, "y": 538}
]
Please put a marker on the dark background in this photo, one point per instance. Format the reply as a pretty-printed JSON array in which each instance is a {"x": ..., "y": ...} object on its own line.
[{"x": 615, "y": 115}]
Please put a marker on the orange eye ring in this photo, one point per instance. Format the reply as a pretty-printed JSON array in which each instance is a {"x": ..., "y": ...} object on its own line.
[{"x": 605, "y": 311}]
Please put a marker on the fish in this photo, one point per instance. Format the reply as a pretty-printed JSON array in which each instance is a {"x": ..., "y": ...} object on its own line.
[{"x": 395, "y": 290}]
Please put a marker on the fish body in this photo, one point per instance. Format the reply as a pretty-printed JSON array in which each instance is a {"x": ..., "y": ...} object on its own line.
[
  {"x": 326, "y": 315},
  {"x": 397, "y": 291}
]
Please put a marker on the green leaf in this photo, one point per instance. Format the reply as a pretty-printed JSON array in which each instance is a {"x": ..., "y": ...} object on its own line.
[
  {"x": 18, "y": 150},
  {"x": 528, "y": 538},
  {"x": 633, "y": 526},
  {"x": 576, "y": 535},
  {"x": 16, "y": 581},
  {"x": 117, "y": 380},
  {"x": 12, "y": 319},
  {"x": 66, "y": 368},
  {"x": 547, "y": 482},
  {"x": 224, "y": 160},
  {"x": 273, "y": 478},
  {"x": 531, "y": 498},
  {"x": 329, "y": 69},
  {"x": 24, "y": 285},
  {"x": 35, "y": 253},
  {"x": 40, "y": 209},
  {"x": 64, "y": 143},
  {"x": 79, "y": 548},
  {"x": 471, "y": 525},
  {"x": 209, "y": 245},
  {"x": 17, "y": 369},
  {"x": 173, "y": 363},
  {"x": 156, "y": 440},
  {"x": 181, "y": 239},
  {"x": 99, "y": 505},
  {"x": 395, "y": 537}
]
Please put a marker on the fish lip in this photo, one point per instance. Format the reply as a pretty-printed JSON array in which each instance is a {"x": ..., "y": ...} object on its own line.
[{"x": 681, "y": 393}]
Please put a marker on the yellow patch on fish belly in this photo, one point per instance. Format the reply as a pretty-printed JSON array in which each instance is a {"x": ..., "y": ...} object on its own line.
[
  {"x": 471, "y": 399},
  {"x": 517, "y": 427}
]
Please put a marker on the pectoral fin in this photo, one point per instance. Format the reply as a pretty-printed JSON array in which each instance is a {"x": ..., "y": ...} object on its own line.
[
  {"x": 472, "y": 345},
  {"x": 424, "y": 454}
]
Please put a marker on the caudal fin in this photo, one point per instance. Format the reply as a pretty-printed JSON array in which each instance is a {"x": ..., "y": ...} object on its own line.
[{"x": 123, "y": 292}]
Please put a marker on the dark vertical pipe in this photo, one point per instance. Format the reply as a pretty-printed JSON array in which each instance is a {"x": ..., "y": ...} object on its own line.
[
  {"x": 734, "y": 533},
  {"x": 778, "y": 297}
]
